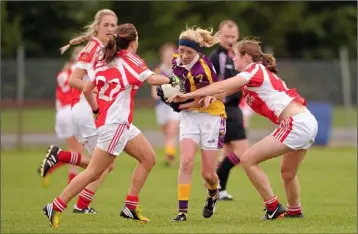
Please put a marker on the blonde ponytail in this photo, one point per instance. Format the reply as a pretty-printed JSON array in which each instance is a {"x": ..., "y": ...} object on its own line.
[{"x": 75, "y": 41}]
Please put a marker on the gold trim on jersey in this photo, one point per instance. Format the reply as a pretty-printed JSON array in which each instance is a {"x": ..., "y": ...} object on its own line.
[
  {"x": 192, "y": 82},
  {"x": 215, "y": 108},
  {"x": 206, "y": 70}
]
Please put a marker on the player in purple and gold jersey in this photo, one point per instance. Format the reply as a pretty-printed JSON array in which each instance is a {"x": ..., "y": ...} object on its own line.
[{"x": 198, "y": 126}]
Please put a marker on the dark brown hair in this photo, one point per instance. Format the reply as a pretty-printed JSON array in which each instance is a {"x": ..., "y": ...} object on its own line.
[
  {"x": 123, "y": 35},
  {"x": 252, "y": 47}
]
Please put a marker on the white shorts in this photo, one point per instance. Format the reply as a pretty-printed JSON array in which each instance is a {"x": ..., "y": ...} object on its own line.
[
  {"x": 112, "y": 138},
  {"x": 297, "y": 132},
  {"x": 164, "y": 113},
  {"x": 63, "y": 123},
  {"x": 206, "y": 130},
  {"x": 83, "y": 122}
]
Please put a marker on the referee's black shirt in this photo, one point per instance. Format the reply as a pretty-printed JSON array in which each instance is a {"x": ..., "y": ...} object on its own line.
[{"x": 224, "y": 66}]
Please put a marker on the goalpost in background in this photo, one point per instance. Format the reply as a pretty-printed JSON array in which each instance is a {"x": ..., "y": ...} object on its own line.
[
  {"x": 20, "y": 89},
  {"x": 346, "y": 85}
]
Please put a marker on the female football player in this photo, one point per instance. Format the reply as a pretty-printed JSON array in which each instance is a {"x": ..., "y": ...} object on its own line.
[
  {"x": 269, "y": 96},
  {"x": 63, "y": 124},
  {"x": 117, "y": 77},
  {"x": 99, "y": 32},
  {"x": 198, "y": 127}
]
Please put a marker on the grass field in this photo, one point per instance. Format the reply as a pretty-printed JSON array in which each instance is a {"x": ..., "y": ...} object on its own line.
[
  {"x": 327, "y": 177},
  {"x": 42, "y": 120}
]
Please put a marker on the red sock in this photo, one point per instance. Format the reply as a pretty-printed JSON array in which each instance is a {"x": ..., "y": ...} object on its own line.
[
  {"x": 271, "y": 204},
  {"x": 59, "y": 205},
  {"x": 132, "y": 202},
  {"x": 71, "y": 175},
  {"x": 84, "y": 199},
  {"x": 294, "y": 210},
  {"x": 52, "y": 169},
  {"x": 73, "y": 158}
]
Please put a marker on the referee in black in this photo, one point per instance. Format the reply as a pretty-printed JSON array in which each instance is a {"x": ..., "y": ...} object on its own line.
[{"x": 235, "y": 138}]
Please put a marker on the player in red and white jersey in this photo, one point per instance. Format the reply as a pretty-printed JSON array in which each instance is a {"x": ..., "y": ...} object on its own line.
[
  {"x": 63, "y": 121},
  {"x": 117, "y": 78},
  {"x": 269, "y": 96},
  {"x": 64, "y": 124},
  {"x": 100, "y": 31}
]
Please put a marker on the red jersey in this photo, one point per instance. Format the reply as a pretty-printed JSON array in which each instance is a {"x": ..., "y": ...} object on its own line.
[
  {"x": 63, "y": 90},
  {"x": 117, "y": 84},
  {"x": 87, "y": 59},
  {"x": 266, "y": 93}
]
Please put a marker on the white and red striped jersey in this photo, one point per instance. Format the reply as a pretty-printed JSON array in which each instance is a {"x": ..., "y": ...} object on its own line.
[
  {"x": 117, "y": 84},
  {"x": 266, "y": 93},
  {"x": 63, "y": 90},
  {"x": 87, "y": 59}
]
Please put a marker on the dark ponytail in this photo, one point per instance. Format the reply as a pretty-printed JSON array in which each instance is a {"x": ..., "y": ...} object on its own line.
[
  {"x": 110, "y": 51},
  {"x": 269, "y": 62},
  {"x": 252, "y": 48},
  {"x": 124, "y": 34}
]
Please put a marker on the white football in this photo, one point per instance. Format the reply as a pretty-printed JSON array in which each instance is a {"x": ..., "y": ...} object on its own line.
[{"x": 169, "y": 91}]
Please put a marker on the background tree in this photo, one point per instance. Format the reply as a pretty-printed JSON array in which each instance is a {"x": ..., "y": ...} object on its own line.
[{"x": 307, "y": 30}]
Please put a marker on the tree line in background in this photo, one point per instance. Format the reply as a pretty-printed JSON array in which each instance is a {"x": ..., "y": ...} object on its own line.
[{"x": 309, "y": 30}]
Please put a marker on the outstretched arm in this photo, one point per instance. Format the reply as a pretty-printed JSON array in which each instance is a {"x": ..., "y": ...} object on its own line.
[
  {"x": 226, "y": 86},
  {"x": 156, "y": 79}
]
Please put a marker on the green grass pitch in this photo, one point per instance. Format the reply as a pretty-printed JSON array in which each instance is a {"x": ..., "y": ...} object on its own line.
[
  {"x": 43, "y": 120},
  {"x": 327, "y": 177}
]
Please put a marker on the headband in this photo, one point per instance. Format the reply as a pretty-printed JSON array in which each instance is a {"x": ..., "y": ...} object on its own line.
[{"x": 190, "y": 43}]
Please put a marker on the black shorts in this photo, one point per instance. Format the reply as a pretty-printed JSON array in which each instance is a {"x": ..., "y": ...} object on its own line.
[{"x": 234, "y": 124}]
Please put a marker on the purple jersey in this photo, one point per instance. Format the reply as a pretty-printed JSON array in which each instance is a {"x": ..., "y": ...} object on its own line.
[{"x": 199, "y": 73}]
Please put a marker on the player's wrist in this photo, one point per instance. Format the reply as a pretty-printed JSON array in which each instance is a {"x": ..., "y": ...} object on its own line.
[
  {"x": 173, "y": 79},
  {"x": 95, "y": 111}
]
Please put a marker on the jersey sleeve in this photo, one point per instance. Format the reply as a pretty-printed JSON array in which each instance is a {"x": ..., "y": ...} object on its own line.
[
  {"x": 139, "y": 67},
  {"x": 249, "y": 72},
  {"x": 86, "y": 56},
  {"x": 205, "y": 73}
]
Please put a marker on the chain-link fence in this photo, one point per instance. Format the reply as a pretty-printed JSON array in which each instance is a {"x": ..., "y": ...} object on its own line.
[{"x": 315, "y": 80}]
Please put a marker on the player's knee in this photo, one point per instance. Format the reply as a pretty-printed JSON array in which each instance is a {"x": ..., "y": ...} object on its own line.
[
  {"x": 186, "y": 165},
  {"x": 245, "y": 160},
  {"x": 287, "y": 175},
  {"x": 208, "y": 175},
  {"x": 149, "y": 160},
  {"x": 172, "y": 130}
]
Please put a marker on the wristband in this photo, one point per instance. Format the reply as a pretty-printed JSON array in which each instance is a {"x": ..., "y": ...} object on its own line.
[{"x": 95, "y": 111}]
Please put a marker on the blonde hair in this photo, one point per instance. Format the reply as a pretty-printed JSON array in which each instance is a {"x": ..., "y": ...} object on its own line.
[
  {"x": 201, "y": 36},
  {"x": 91, "y": 29}
]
